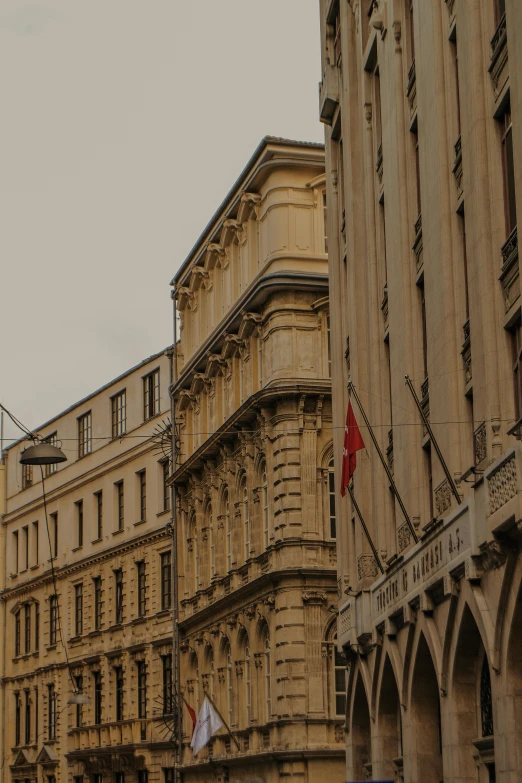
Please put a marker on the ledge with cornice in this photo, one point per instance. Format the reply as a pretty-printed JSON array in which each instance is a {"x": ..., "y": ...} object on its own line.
[
  {"x": 245, "y": 414},
  {"x": 249, "y": 302},
  {"x": 80, "y": 565}
]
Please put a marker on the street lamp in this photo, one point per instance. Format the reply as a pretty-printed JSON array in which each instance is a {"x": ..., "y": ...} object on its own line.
[{"x": 42, "y": 454}]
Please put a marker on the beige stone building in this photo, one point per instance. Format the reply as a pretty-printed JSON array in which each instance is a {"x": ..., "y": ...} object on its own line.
[
  {"x": 254, "y": 482},
  {"x": 422, "y": 105},
  {"x": 108, "y": 633}
]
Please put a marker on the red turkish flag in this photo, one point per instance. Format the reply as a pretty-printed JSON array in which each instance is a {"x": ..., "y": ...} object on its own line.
[
  {"x": 353, "y": 442},
  {"x": 192, "y": 715}
]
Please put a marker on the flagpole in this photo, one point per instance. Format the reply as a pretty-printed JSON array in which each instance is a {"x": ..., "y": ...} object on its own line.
[
  {"x": 351, "y": 388},
  {"x": 424, "y": 418},
  {"x": 363, "y": 523},
  {"x": 225, "y": 724}
]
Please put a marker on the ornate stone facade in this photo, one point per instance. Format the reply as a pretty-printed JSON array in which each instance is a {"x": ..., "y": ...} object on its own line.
[
  {"x": 257, "y": 538},
  {"x": 421, "y": 104}
]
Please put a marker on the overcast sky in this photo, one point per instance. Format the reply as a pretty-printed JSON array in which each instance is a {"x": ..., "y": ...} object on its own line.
[{"x": 124, "y": 124}]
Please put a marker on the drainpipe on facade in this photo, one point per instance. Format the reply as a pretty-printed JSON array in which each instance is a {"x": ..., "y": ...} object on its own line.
[
  {"x": 176, "y": 663},
  {"x": 3, "y": 538}
]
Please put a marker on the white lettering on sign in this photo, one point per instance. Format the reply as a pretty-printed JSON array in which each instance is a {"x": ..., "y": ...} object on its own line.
[{"x": 436, "y": 555}]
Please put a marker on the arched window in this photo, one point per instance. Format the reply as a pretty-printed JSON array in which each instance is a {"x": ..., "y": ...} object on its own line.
[
  {"x": 267, "y": 673},
  {"x": 193, "y": 546},
  {"x": 339, "y": 681},
  {"x": 331, "y": 500},
  {"x": 486, "y": 701},
  {"x": 246, "y": 519},
  {"x": 264, "y": 507},
  {"x": 248, "y": 684},
  {"x": 228, "y": 532},
  {"x": 209, "y": 523},
  {"x": 228, "y": 681}
]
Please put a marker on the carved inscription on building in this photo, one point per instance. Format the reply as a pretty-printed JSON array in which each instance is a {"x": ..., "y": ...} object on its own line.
[{"x": 436, "y": 555}]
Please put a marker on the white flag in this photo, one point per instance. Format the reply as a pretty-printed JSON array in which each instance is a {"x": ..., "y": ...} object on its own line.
[{"x": 208, "y": 723}]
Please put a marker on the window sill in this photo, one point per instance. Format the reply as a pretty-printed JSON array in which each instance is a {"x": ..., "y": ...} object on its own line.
[
  {"x": 77, "y": 548},
  {"x": 162, "y": 513},
  {"x": 74, "y": 639},
  {"x": 118, "y": 532},
  {"x": 35, "y": 567},
  {"x": 51, "y": 647},
  {"x": 97, "y": 632},
  {"x": 13, "y": 576},
  {"x": 164, "y": 612},
  {"x": 139, "y": 522},
  {"x": 97, "y": 540},
  {"x": 115, "y": 627}
]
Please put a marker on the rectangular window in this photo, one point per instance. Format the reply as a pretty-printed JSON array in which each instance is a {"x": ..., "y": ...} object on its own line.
[
  {"x": 151, "y": 395},
  {"x": 27, "y": 697},
  {"x": 120, "y": 507},
  {"x": 97, "y": 697},
  {"x": 168, "y": 707},
  {"x": 25, "y": 547},
  {"x": 142, "y": 689},
  {"x": 97, "y": 603},
  {"x": 18, "y": 649},
  {"x": 79, "y": 522},
  {"x": 52, "y": 715},
  {"x": 16, "y": 556},
  {"x": 118, "y": 606},
  {"x": 84, "y": 435},
  {"x": 27, "y": 476},
  {"x": 54, "y": 534},
  {"x": 79, "y": 707},
  {"x": 36, "y": 724},
  {"x": 18, "y": 719},
  {"x": 169, "y": 775},
  {"x": 36, "y": 544},
  {"x": 508, "y": 171},
  {"x": 99, "y": 514},
  {"x": 52, "y": 439},
  {"x": 53, "y": 619},
  {"x": 36, "y": 627},
  {"x": 142, "y": 479},
  {"x": 78, "y": 609},
  {"x": 166, "y": 580},
  {"x": 142, "y": 600},
  {"x": 165, "y": 467},
  {"x": 119, "y": 414},
  {"x": 27, "y": 627},
  {"x": 340, "y": 683},
  {"x": 119, "y": 692}
]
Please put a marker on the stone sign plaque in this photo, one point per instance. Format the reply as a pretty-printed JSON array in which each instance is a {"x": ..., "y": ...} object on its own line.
[{"x": 434, "y": 557}]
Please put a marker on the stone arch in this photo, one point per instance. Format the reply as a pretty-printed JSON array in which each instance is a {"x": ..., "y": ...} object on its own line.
[
  {"x": 423, "y": 758},
  {"x": 359, "y": 747},
  {"x": 508, "y": 604},
  {"x": 388, "y": 724},
  {"x": 470, "y": 669},
  {"x": 510, "y": 718}
]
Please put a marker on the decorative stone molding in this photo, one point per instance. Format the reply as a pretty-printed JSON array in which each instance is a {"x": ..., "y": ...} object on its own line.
[
  {"x": 339, "y": 732},
  {"x": 366, "y": 566},
  {"x": 403, "y": 536},
  {"x": 317, "y": 597},
  {"x": 443, "y": 497},
  {"x": 344, "y": 620},
  {"x": 480, "y": 443},
  {"x": 502, "y": 484}
]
